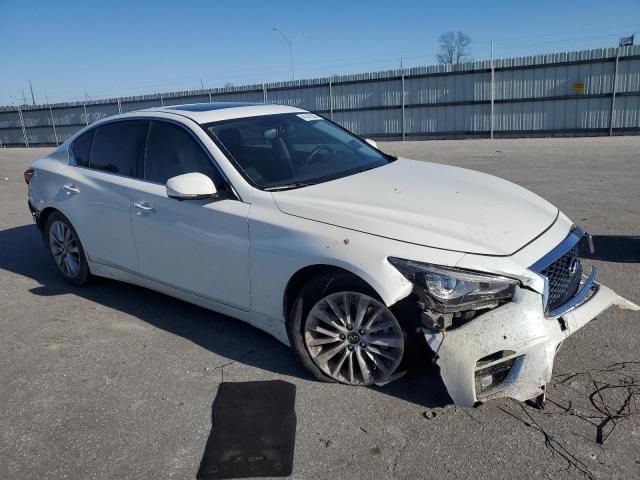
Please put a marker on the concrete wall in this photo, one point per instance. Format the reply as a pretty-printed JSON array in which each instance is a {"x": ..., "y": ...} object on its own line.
[{"x": 536, "y": 95}]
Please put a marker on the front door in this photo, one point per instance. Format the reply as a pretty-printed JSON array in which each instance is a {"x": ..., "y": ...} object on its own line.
[{"x": 198, "y": 246}]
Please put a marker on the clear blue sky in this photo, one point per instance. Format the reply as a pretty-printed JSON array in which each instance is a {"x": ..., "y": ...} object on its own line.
[{"x": 119, "y": 48}]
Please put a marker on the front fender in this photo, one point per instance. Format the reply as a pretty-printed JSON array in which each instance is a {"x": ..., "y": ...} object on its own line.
[{"x": 282, "y": 245}]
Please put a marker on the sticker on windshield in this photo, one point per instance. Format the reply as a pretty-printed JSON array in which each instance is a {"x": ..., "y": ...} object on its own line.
[{"x": 308, "y": 117}]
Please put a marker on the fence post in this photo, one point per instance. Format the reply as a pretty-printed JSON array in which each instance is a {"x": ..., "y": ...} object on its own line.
[
  {"x": 86, "y": 119},
  {"x": 403, "y": 117},
  {"x": 330, "y": 99},
  {"x": 24, "y": 129},
  {"x": 119, "y": 106},
  {"x": 161, "y": 101},
  {"x": 264, "y": 86},
  {"x": 210, "y": 100},
  {"x": 53, "y": 124},
  {"x": 493, "y": 91},
  {"x": 613, "y": 92}
]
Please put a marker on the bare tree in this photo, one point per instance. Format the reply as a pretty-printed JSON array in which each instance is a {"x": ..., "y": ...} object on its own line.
[
  {"x": 455, "y": 47},
  {"x": 228, "y": 85}
]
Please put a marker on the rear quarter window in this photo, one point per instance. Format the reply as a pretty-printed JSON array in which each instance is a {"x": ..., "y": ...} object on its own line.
[
  {"x": 119, "y": 146},
  {"x": 81, "y": 149}
]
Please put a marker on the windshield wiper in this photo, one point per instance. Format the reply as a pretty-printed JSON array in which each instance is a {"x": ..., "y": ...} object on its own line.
[{"x": 289, "y": 186}]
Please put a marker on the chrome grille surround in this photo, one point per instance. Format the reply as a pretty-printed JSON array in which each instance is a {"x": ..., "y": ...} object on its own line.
[{"x": 562, "y": 271}]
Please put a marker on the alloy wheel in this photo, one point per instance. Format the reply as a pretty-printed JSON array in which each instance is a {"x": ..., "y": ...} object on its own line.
[
  {"x": 64, "y": 248},
  {"x": 354, "y": 338}
]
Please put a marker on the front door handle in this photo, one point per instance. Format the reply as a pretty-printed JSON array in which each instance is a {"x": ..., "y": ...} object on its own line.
[
  {"x": 71, "y": 189},
  {"x": 144, "y": 208}
]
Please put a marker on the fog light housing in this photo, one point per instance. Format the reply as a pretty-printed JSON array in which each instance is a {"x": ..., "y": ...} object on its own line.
[{"x": 493, "y": 378}]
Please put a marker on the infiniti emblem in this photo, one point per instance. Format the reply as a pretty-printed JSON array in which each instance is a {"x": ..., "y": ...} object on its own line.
[{"x": 573, "y": 266}]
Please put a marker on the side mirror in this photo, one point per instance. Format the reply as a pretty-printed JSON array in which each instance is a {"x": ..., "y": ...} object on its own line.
[
  {"x": 371, "y": 142},
  {"x": 190, "y": 186}
]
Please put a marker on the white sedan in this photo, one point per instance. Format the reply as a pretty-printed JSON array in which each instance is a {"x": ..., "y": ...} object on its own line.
[{"x": 358, "y": 260}]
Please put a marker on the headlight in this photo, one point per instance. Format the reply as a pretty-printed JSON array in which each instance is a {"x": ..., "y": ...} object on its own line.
[{"x": 451, "y": 290}]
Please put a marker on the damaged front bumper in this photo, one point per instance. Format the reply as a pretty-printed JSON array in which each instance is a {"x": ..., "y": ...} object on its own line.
[{"x": 510, "y": 351}]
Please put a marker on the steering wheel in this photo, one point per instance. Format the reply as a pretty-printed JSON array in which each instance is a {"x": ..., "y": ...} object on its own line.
[{"x": 315, "y": 152}]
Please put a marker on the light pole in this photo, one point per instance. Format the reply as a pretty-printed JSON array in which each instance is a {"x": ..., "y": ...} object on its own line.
[{"x": 291, "y": 44}]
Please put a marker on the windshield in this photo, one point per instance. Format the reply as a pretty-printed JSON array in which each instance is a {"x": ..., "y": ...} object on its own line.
[{"x": 291, "y": 150}]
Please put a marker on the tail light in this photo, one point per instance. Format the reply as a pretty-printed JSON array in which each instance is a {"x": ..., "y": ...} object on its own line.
[{"x": 28, "y": 174}]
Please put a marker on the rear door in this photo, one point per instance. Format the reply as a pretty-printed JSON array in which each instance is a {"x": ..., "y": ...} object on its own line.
[
  {"x": 96, "y": 193},
  {"x": 198, "y": 246}
]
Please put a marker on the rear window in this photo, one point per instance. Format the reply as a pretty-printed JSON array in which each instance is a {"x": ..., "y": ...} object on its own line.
[
  {"x": 81, "y": 149},
  {"x": 119, "y": 146}
]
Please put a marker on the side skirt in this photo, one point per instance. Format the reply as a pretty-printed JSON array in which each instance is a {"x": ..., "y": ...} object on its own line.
[{"x": 272, "y": 326}]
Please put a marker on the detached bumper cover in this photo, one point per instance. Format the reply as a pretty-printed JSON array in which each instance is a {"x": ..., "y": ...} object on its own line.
[{"x": 510, "y": 351}]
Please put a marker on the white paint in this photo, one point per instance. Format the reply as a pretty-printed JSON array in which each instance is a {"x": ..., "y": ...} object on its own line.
[
  {"x": 190, "y": 185},
  {"x": 201, "y": 246},
  {"x": 428, "y": 204}
]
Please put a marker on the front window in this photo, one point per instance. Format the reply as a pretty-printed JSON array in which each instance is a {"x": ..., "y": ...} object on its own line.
[
  {"x": 291, "y": 150},
  {"x": 172, "y": 151}
]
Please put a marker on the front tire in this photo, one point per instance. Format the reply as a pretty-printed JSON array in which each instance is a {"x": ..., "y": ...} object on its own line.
[
  {"x": 342, "y": 332},
  {"x": 66, "y": 250}
]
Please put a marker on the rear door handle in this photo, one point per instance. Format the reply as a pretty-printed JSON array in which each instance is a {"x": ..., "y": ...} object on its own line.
[
  {"x": 143, "y": 208},
  {"x": 71, "y": 189}
]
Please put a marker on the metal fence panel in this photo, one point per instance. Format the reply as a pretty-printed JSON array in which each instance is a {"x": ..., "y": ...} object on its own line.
[
  {"x": 253, "y": 96},
  {"x": 556, "y": 93},
  {"x": 371, "y": 122},
  {"x": 627, "y": 113},
  {"x": 12, "y": 137},
  {"x": 184, "y": 99},
  {"x": 629, "y": 76},
  {"x": 141, "y": 105},
  {"x": 9, "y": 119}
]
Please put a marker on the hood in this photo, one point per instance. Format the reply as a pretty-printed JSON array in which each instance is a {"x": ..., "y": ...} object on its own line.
[{"x": 427, "y": 204}]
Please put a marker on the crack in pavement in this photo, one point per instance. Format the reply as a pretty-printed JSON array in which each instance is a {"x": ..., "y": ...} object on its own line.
[
  {"x": 610, "y": 396},
  {"x": 221, "y": 367}
]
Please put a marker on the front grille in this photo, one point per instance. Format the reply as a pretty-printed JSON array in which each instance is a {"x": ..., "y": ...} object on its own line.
[{"x": 564, "y": 277}]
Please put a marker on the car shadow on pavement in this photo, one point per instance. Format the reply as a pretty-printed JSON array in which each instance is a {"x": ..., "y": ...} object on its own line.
[
  {"x": 23, "y": 253},
  {"x": 616, "y": 248}
]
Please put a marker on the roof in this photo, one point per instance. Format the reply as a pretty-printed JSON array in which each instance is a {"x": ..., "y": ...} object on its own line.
[{"x": 216, "y": 111}]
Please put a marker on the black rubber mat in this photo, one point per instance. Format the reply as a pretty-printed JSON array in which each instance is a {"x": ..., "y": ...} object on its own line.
[{"x": 253, "y": 432}]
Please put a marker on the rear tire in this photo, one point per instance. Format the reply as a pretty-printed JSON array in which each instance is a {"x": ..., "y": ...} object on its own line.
[
  {"x": 361, "y": 344},
  {"x": 66, "y": 250}
]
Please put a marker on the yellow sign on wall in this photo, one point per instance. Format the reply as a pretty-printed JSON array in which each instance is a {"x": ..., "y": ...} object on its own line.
[{"x": 578, "y": 88}]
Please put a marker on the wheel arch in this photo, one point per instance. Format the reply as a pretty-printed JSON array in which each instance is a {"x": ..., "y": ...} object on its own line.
[
  {"x": 301, "y": 277},
  {"x": 403, "y": 307},
  {"x": 44, "y": 215}
]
